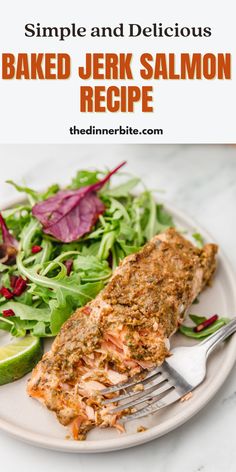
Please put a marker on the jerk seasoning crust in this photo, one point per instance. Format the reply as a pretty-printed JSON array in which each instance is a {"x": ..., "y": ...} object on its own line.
[{"x": 123, "y": 330}]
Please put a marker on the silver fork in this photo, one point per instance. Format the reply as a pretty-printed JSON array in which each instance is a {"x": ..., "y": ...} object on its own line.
[{"x": 162, "y": 386}]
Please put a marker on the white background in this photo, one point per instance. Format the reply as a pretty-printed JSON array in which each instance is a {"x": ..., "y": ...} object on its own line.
[
  {"x": 188, "y": 111},
  {"x": 201, "y": 181}
]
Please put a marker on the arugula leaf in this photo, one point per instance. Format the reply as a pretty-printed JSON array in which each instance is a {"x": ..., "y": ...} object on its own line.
[
  {"x": 57, "y": 260},
  {"x": 41, "y": 330},
  {"x": 20, "y": 327},
  {"x": 164, "y": 219},
  {"x": 30, "y": 231},
  {"x": 52, "y": 190},
  {"x": 106, "y": 244},
  {"x": 60, "y": 312},
  {"x": 16, "y": 326},
  {"x": 91, "y": 250},
  {"x": 5, "y": 280},
  {"x": 187, "y": 331},
  {"x": 70, "y": 286},
  {"x": 32, "y": 194},
  {"x": 84, "y": 178},
  {"x": 91, "y": 268},
  {"x": 128, "y": 249},
  {"x": 118, "y": 210},
  {"x": 197, "y": 319},
  {"x": 26, "y": 312},
  {"x": 42, "y": 294},
  {"x": 151, "y": 228},
  {"x": 123, "y": 189},
  {"x": 138, "y": 209},
  {"x": 199, "y": 239},
  {"x": 6, "y": 324}
]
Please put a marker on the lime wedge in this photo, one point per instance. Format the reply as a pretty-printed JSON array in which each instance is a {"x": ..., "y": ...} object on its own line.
[{"x": 19, "y": 357}]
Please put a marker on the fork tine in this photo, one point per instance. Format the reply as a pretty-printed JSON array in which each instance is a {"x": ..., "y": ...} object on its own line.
[
  {"x": 156, "y": 405},
  {"x": 133, "y": 394},
  {"x": 132, "y": 381},
  {"x": 151, "y": 393}
]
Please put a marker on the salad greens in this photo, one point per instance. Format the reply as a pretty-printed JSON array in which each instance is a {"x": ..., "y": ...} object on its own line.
[
  {"x": 61, "y": 277},
  {"x": 198, "y": 239},
  {"x": 70, "y": 214},
  {"x": 197, "y": 320}
]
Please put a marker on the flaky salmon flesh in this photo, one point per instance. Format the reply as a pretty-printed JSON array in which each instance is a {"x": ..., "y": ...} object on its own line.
[{"x": 123, "y": 330}]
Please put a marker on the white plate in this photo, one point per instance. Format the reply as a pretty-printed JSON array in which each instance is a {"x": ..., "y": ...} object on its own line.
[{"x": 26, "y": 419}]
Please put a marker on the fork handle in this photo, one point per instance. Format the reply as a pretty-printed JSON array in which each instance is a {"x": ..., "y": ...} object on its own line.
[{"x": 212, "y": 341}]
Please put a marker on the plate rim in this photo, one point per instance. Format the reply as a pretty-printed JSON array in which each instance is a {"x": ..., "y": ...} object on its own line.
[{"x": 135, "y": 439}]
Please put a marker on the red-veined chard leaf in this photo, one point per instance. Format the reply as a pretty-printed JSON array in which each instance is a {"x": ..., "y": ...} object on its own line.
[
  {"x": 70, "y": 214},
  {"x": 9, "y": 246}
]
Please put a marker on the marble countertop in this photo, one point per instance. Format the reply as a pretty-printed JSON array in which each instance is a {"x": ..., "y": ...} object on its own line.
[{"x": 200, "y": 180}]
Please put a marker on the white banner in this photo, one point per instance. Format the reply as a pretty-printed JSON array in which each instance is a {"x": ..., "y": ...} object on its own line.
[{"x": 130, "y": 72}]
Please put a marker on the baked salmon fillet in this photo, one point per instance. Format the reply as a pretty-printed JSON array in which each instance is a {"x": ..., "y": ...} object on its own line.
[{"x": 123, "y": 330}]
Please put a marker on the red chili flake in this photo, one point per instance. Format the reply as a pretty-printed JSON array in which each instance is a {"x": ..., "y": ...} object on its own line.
[
  {"x": 35, "y": 249},
  {"x": 13, "y": 279},
  {"x": 205, "y": 323},
  {"x": 8, "y": 313},
  {"x": 20, "y": 286},
  {"x": 87, "y": 310},
  {"x": 6, "y": 293},
  {"x": 69, "y": 265}
]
